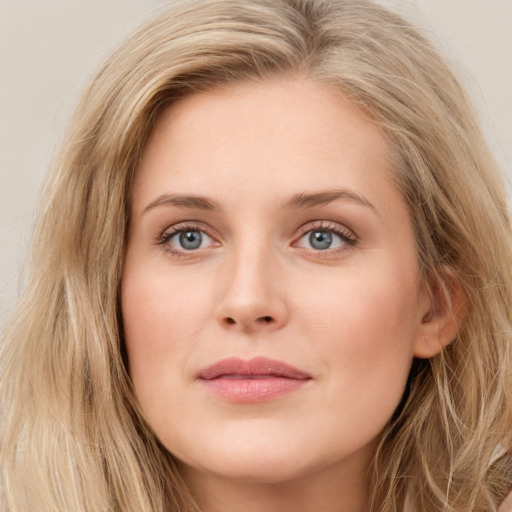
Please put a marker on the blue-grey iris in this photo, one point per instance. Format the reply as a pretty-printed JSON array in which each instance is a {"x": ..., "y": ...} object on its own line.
[
  {"x": 320, "y": 240},
  {"x": 190, "y": 240}
]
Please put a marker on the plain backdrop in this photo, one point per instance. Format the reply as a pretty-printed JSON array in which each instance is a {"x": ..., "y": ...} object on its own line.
[{"x": 48, "y": 50}]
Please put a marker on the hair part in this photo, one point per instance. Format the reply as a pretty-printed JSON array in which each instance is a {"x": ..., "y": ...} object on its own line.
[{"x": 73, "y": 436}]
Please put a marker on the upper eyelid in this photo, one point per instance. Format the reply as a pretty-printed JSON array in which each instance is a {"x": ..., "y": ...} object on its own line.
[
  {"x": 188, "y": 225},
  {"x": 325, "y": 225}
]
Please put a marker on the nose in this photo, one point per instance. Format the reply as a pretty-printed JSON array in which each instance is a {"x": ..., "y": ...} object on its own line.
[{"x": 253, "y": 297}]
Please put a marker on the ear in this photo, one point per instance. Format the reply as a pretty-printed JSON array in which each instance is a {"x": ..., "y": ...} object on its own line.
[{"x": 443, "y": 316}]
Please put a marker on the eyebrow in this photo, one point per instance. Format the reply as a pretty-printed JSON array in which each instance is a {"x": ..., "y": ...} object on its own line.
[
  {"x": 304, "y": 201},
  {"x": 184, "y": 201},
  {"x": 296, "y": 202}
]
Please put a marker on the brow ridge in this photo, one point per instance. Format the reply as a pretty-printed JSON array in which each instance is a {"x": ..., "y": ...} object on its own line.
[
  {"x": 302, "y": 200},
  {"x": 309, "y": 200},
  {"x": 183, "y": 201}
]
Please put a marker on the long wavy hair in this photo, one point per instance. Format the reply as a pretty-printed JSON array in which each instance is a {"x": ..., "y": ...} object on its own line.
[{"x": 73, "y": 437}]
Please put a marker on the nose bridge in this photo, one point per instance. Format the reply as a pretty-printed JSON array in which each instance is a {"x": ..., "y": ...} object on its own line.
[{"x": 252, "y": 298}]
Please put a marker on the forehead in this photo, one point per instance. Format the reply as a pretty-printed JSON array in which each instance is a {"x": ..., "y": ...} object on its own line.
[{"x": 264, "y": 139}]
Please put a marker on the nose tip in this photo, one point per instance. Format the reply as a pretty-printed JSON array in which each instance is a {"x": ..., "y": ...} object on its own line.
[{"x": 253, "y": 297}]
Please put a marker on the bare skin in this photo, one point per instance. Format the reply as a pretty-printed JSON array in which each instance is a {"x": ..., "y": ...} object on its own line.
[{"x": 265, "y": 223}]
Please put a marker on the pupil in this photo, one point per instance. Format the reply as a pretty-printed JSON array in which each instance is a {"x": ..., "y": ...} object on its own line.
[
  {"x": 190, "y": 240},
  {"x": 320, "y": 240}
]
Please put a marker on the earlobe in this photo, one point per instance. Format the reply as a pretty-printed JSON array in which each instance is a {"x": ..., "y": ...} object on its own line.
[{"x": 441, "y": 322}]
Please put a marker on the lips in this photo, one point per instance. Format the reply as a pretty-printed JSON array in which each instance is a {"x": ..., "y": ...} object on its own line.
[
  {"x": 257, "y": 367},
  {"x": 256, "y": 380}
]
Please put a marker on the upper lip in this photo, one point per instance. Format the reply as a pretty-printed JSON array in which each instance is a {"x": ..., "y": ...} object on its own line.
[{"x": 253, "y": 367}]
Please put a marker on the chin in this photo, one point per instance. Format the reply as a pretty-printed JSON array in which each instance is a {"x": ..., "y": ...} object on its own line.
[
  {"x": 261, "y": 470},
  {"x": 270, "y": 469},
  {"x": 265, "y": 460}
]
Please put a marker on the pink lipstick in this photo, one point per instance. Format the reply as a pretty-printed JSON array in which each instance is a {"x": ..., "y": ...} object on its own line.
[{"x": 256, "y": 380}]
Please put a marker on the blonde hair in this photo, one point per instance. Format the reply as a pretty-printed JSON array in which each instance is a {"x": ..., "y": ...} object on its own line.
[{"x": 73, "y": 437}]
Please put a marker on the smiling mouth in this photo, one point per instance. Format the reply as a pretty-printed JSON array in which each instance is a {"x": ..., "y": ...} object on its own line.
[{"x": 259, "y": 379}]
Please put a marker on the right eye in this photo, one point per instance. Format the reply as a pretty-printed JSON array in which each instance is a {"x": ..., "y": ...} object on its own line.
[
  {"x": 183, "y": 238},
  {"x": 187, "y": 240}
]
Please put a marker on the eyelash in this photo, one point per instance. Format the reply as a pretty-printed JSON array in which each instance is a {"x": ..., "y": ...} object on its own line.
[
  {"x": 346, "y": 235},
  {"x": 164, "y": 239}
]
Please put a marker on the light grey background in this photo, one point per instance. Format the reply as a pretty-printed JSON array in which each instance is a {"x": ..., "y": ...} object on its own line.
[{"x": 49, "y": 48}]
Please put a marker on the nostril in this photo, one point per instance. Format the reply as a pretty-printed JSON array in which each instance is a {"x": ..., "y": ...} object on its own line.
[{"x": 261, "y": 320}]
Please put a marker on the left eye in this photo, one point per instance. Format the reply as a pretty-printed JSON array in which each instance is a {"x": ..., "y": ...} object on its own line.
[
  {"x": 189, "y": 240},
  {"x": 321, "y": 240}
]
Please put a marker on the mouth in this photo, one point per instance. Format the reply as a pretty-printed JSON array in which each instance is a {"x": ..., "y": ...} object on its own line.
[{"x": 259, "y": 379}]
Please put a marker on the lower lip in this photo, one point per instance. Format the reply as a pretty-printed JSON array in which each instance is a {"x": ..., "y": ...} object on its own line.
[{"x": 242, "y": 390}]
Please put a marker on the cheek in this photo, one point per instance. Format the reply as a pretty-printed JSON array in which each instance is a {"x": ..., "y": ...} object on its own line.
[
  {"x": 365, "y": 325},
  {"x": 163, "y": 316},
  {"x": 357, "y": 303}
]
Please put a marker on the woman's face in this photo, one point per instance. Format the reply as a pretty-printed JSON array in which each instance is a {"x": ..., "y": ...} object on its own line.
[{"x": 270, "y": 295}]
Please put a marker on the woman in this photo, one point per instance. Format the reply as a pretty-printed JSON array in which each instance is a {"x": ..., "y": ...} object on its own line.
[{"x": 271, "y": 272}]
